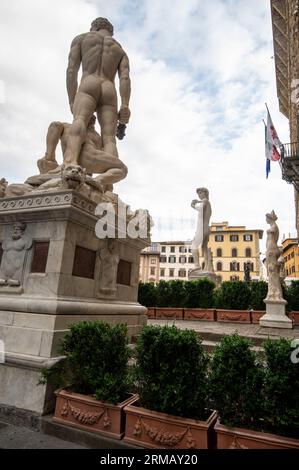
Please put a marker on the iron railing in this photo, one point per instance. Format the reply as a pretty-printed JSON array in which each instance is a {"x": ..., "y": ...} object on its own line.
[
  {"x": 289, "y": 162},
  {"x": 290, "y": 150}
]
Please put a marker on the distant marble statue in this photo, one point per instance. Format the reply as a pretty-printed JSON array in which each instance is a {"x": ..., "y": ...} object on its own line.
[
  {"x": 273, "y": 259},
  {"x": 201, "y": 238},
  {"x": 247, "y": 270},
  {"x": 110, "y": 169},
  {"x": 13, "y": 259},
  {"x": 102, "y": 57},
  {"x": 109, "y": 257},
  {"x": 3, "y": 187}
]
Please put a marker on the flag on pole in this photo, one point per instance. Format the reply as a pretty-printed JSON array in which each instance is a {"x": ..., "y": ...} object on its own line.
[
  {"x": 272, "y": 140},
  {"x": 268, "y": 161}
]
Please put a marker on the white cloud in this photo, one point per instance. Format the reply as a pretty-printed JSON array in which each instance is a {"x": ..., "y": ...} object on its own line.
[{"x": 201, "y": 72}]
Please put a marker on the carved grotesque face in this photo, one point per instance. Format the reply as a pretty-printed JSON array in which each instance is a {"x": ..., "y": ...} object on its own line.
[
  {"x": 73, "y": 176},
  {"x": 18, "y": 230}
]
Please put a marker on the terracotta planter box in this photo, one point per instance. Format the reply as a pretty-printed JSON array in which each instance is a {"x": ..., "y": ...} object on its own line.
[
  {"x": 256, "y": 315},
  {"x": 295, "y": 317},
  {"x": 169, "y": 313},
  {"x": 153, "y": 430},
  {"x": 239, "y": 438},
  {"x": 234, "y": 316},
  {"x": 89, "y": 414},
  {"x": 199, "y": 314},
  {"x": 151, "y": 312}
]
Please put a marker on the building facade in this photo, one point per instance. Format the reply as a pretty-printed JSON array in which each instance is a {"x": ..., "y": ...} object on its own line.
[
  {"x": 233, "y": 248},
  {"x": 285, "y": 25},
  {"x": 291, "y": 257}
]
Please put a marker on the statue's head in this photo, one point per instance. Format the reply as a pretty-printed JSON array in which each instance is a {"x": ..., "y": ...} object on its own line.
[
  {"x": 18, "y": 230},
  {"x": 202, "y": 193},
  {"x": 101, "y": 23},
  {"x": 271, "y": 217}
]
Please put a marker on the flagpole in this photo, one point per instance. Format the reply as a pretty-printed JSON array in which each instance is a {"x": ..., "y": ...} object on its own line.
[{"x": 267, "y": 108}]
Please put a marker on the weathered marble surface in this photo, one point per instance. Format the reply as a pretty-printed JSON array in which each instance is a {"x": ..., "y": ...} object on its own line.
[
  {"x": 35, "y": 318},
  {"x": 275, "y": 316}
]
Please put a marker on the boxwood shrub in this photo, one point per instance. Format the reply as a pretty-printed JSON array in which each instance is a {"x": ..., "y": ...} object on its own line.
[
  {"x": 233, "y": 295},
  {"x": 171, "y": 371},
  {"x": 147, "y": 294},
  {"x": 96, "y": 363},
  {"x": 281, "y": 390},
  {"x": 199, "y": 293},
  {"x": 235, "y": 383},
  {"x": 292, "y": 296},
  {"x": 259, "y": 292}
]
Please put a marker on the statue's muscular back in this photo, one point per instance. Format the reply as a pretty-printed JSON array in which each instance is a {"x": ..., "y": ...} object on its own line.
[{"x": 101, "y": 55}]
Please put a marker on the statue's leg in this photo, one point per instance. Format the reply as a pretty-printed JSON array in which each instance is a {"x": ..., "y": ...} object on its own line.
[
  {"x": 195, "y": 255},
  {"x": 111, "y": 176},
  {"x": 107, "y": 116},
  {"x": 205, "y": 252},
  {"x": 84, "y": 107},
  {"x": 48, "y": 162}
]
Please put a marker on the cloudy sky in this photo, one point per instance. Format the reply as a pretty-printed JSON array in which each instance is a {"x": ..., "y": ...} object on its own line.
[{"x": 201, "y": 73}]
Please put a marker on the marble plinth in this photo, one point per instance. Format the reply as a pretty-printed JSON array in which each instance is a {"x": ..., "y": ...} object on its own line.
[
  {"x": 195, "y": 274},
  {"x": 275, "y": 316},
  {"x": 68, "y": 275}
]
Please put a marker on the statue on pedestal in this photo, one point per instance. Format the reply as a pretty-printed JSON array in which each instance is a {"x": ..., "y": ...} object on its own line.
[
  {"x": 273, "y": 259},
  {"x": 275, "y": 316},
  {"x": 202, "y": 234},
  {"x": 101, "y": 57}
]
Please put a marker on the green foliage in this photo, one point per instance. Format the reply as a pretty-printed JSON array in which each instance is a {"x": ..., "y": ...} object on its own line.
[
  {"x": 232, "y": 295},
  {"x": 235, "y": 382},
  {"x": 96, "y": 360},
  {"x": 177, "y": 293},
  {"x": 292, "y": 296},
  {"x": 171, "y": 371},
  {"x": 164, "y": 294},
  {"x": 199, "y": 294},
  {"x": 147, "y": 294},
  {"x": 281, "y": 391},
  {"x": 259, "y": 292}
]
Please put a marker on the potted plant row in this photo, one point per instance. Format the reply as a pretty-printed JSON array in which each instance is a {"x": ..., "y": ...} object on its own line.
[
  {"x": 93, "y": 378},
  {"x": 257, "y": 402},
  {"x": 171, "y": 379}
]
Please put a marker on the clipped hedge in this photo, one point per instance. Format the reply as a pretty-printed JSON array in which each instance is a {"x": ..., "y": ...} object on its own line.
[
  {"x": 259, "y": 292},
  {"x": 292, "y": 296},
  {"x": 281, "y": 389},
  {"x": 202, "y": 293},
  {"x": 147, "y": 294},
  {"x": 96, "y": 363},
  {"x": 233, "y": 295},
  {"x": 235, "y": 383},
  {"x": 171, "y": 371}
]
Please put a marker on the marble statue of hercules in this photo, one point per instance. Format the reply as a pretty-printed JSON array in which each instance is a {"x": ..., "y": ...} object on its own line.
[{"x": 102, "y": 57}]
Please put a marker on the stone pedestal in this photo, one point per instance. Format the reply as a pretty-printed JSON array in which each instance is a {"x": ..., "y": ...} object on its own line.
[
  {"x": 275, "y": 316},
  {"x": 63, "y": 280},
  {"x": 199, "y": 274}
]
